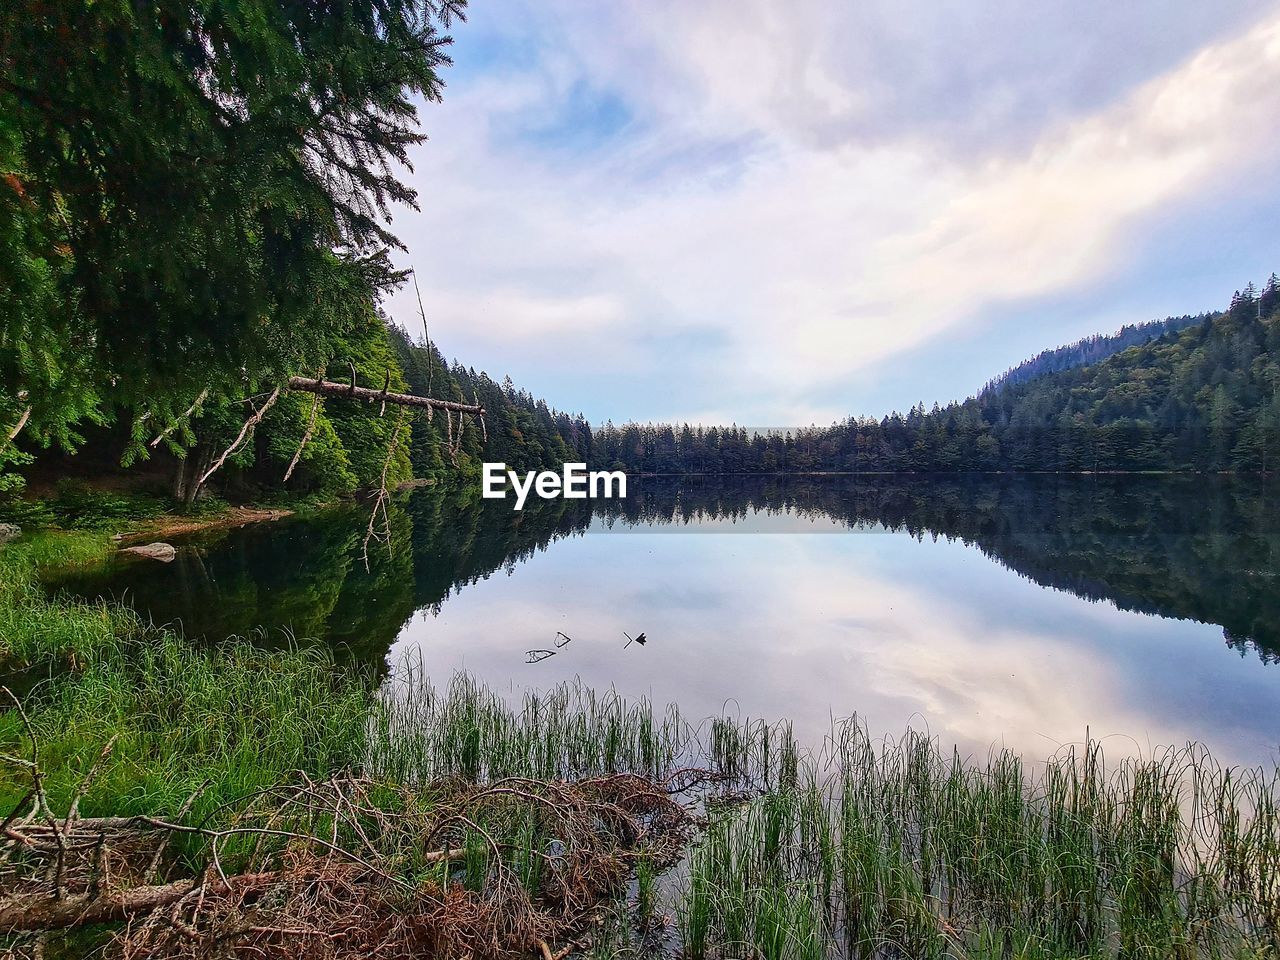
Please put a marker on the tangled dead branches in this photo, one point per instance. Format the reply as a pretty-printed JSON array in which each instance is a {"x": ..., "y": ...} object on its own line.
[{"x": 346, "y": 867}]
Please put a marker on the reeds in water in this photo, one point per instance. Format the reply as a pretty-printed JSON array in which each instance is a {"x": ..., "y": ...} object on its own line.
[
  {"x": 571, "y": 731},
  {"x": 899, "y": 850},
  {"x": 868, "y": 848}
]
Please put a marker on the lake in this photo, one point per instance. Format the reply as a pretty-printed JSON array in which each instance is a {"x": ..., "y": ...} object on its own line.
[{"x": 998, "y": 611}]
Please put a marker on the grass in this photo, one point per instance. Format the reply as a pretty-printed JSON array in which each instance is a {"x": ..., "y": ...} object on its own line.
[
  {"x": 239, "y": 718},
  {"x": 566, "y": 732},
  {"x": 235, "y": 716},
  {"x": 35, "y": 629}
]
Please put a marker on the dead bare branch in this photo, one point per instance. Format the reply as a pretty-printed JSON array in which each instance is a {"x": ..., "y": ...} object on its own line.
[
  {"x": 245, "y": 432},
  {"x": 384, "y": 494},
  {"x": 311, "y": 425},
  {"x": 331, "y": 389},
  {"x": 22, "y": 422}
]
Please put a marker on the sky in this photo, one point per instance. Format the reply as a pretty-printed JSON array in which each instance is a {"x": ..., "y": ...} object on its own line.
[{"x": 736, "y": 211}]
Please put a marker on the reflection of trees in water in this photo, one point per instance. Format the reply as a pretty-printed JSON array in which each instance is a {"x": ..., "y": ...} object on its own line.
[
  {"x": 1198, "y": 548},
  {"x": 304, "y": 579},
  {"x": 460, "y": 538}
]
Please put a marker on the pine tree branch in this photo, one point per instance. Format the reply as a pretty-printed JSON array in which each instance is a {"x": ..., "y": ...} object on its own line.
[{"x": 177, "y": 423}]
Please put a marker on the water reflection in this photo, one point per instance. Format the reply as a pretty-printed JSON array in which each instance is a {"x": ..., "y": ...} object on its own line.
[{"x": 1147, "y": 578}]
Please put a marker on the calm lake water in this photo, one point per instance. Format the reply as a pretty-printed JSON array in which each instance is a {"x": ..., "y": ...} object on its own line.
[{"x": 1012, "y": 611}]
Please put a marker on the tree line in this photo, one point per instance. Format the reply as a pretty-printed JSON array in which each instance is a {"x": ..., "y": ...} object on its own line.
[
  {"x": 1201, "y": 396},
  {"x": 1204, "y": 395}
]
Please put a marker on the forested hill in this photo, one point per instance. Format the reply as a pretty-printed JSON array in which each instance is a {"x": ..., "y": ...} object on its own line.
[
  {"x": 1206, "y": 397},
  {"x": 1092, "y": 349}
]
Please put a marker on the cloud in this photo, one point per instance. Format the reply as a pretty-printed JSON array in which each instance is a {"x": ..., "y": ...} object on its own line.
[
  {"x": 514, "y": 315},
  {"x": 796, "y": 207}
]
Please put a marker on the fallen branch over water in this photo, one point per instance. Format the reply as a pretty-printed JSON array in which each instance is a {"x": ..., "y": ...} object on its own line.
[{"x": 330, "y": 388}]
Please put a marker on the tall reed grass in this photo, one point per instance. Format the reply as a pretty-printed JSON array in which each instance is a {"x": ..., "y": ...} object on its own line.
[
  {"x": 420, "y": 733},
  {"x": 897, "y": 849}
]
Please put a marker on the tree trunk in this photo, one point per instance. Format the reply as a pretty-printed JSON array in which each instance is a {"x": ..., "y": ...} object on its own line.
[
  {"x": 46, "y": 912},
  {"x": 187, "y": 472}
]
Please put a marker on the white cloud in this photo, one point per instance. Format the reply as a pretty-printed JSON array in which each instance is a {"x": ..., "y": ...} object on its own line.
[
  {"x": 512, "y": 314},
  {"x": 728, "y": 212}
]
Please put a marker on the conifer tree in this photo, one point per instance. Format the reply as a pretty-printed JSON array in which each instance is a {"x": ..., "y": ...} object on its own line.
[{"x": 194, "y": 194}]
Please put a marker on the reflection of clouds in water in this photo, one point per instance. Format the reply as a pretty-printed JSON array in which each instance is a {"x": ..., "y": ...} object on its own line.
[{"x": 927, "y": 634}]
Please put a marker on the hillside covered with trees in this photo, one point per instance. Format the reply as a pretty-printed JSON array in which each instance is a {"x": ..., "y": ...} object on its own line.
[
  {"x": 1204, "y": 397},
  {"x": 1091, "y": 349}
]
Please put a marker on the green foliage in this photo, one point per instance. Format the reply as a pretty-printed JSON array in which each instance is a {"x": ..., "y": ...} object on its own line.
[
  {"x": 366, "y": 432},
  {"x": 193, "y": 195},
  {"x": 324, "y": 464},
  {"x": 349, "y": 441},
  {"x": 78, "y": 506}
]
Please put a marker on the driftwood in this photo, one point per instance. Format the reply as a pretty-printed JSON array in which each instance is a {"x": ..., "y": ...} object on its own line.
[{"x": 45, "y": 911}]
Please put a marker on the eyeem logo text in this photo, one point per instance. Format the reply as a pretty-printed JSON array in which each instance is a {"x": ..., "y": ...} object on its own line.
[{"x": 575, "y": 483}]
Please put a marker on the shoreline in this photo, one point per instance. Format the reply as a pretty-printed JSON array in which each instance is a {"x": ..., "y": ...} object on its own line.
[{"x": 175, "y": 525}]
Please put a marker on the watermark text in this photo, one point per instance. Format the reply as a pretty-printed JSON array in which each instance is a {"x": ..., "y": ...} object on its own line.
[{"x": 573, "y": 483}]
